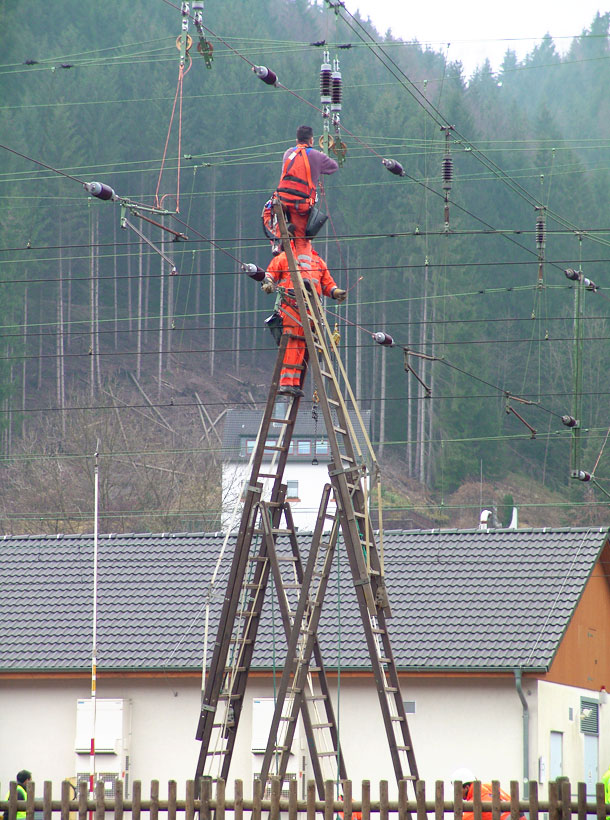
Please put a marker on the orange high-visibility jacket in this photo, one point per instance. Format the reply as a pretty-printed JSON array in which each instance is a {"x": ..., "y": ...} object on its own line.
[
  {"x": 485, "y": 798},
  {"x": 295, "y": 188},
  {"x": 311, "y": 266}
]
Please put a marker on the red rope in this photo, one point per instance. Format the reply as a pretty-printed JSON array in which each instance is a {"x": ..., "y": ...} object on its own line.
[{"x": 169, "y": 131}]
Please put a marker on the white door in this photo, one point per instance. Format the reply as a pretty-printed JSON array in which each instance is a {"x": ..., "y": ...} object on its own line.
[
  {"x": 556, "y": 756},
  {"x": 591, "y": 763}
]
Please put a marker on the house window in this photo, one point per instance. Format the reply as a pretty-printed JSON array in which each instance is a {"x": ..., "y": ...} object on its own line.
[
  {"x": 409, "y": 707},
  {"x": 322, "y": 447},
  {"x": 293, "y": 489},
  {"x": 303, "y": 447},
  {"x": 589, "y": 716},
  {"x": 250, "y": 444}
]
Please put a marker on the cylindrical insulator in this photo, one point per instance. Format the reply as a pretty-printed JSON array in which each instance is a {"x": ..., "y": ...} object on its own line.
[
  {"x": 253, "y": 271},
  {"x": 100, "y": 190},
  {"x": 336, "y": 90},
  {"x": 265, "y": 74},
  {"x": 447, "y": 172},
  {"x": 325, "y": 80},
  {"x": 582, "y": 475},
  {"x": 589, "y": 284},
  {"x": 197, "y": 5},
  {"x": 572, "y": 274},
  {"x": 569, "y": 421},
  {"x": 383, "y": 339},
  {"x": 540, "y": 231},
  {"x": 394, "y": 167}
]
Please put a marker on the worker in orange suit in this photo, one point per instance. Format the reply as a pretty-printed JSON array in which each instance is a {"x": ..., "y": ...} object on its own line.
[
  {"x": 277, "y": 277},
  {"x": 302, "y": 166},
  {"x": 467, "y": 779}
]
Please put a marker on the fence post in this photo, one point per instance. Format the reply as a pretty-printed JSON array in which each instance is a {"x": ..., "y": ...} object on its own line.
[
  {"x": 476, "y": 799},
  {"x": 582, "y": 801},
  {"x": 293, "y": 796},
  {"x": 276, "y": 790},
  {"x": 348, "y": 799},
  {"x": 384, "y": 800},
  {"x": 83, "y": 791},
  {"x": 403, "y": 799},
  {"x": 154, "y": 800},
  {"x": 205, "y": 792},
  {"x": 458, "y": 800},
  {"x": 515, "y": 814},
  {"x": 220, "y": 799},
  {"x": 29, "y": 800},
  {"x": 366, "y": 800},
  {"x": 553, "y": 801},
  {"x": 171, "y": 799},
  {"x": 420, "y": 797},
  {"x": 600, "y": 800},
  {"x": 136, "y": 799},
  {"x": 100, "y": 800},
  {"x": 118, "y": 800},
  {"x": 189, "y": 804},
  {"x": 329, "y": 800},
  {"x": 311, "y": 800},
  {"x": 533, "y": 799},
  {"x": 496, "y": 811},
  {"x": 239, "y": 799},
  {"x": 12, "y": 800},
  {"x": 66, "y": 794},
  {"x": 47, "y": 797},
  {"x": 566, "y": 800},
  {"x": 439, "y": 800},
  {"x": 257, "y": 799}
]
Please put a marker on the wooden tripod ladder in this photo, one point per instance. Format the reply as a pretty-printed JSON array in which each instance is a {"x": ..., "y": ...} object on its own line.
[{"x": 301, "y": 589}]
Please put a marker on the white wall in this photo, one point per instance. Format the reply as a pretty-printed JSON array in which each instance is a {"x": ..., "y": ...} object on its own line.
[
  {"x": 476, "y": 724},
  {"x": 311, "y": 478},
  {"x": 554, "y": 705}
]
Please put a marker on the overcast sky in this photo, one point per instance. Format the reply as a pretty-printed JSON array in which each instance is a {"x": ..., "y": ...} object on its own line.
[{"x": 477, "y": 29}]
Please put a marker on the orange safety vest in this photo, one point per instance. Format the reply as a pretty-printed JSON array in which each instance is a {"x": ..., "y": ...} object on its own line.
[{"x": 296, "y": 188}]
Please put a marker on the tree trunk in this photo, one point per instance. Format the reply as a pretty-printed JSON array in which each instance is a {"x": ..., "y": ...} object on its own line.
[
  {"x": 212, "y": 310},
  {"x": 382, "y": 365},
  {"x": 161, "y": 311},
  {"x": 139, "y": 312}
]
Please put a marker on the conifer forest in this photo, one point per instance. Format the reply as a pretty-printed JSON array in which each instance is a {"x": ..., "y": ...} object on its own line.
[{"x": 486, "y": 262}]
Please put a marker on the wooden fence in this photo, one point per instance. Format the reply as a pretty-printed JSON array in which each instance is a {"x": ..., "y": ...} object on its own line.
[{"x": 561, "y": 803}]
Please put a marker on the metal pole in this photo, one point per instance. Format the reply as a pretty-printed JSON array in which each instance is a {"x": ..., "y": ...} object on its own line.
[{"x": 94, "y": 628}]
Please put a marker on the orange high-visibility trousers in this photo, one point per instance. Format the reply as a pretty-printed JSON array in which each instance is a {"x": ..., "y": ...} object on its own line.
[{"x": 294, "y": 356}]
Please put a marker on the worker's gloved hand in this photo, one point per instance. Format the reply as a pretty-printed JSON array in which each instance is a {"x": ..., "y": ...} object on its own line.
[
  {"x": 267, "y": 285},
  {"x": 339, "y": 294},
  {"x": 308, "y": 285}
]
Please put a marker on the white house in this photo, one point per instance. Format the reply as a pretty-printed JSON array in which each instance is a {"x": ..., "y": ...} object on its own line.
[
  {"x": 306, "y": 468},
  {"x": 500, "y": 637}
]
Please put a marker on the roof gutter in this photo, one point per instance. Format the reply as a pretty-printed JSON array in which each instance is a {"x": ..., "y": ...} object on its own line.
[{"x": 526, "y": 733}]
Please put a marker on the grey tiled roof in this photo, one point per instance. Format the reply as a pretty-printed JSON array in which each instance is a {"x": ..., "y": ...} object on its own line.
[{"x": 463, "y": 600}]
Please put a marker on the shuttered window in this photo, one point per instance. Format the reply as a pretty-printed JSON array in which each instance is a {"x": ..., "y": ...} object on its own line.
[{"x": 589, "y": 716}]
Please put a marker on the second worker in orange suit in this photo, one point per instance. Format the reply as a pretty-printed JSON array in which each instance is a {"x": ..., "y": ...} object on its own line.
[{"x": 313, "y": 268}]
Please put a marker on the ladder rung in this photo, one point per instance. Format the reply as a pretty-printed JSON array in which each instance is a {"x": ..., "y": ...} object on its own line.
[
  {"x": 273, "y": 420},
  {"x": 251, "y": 586},
  {"x": 267, "y": 475},
  {"x": 403, "y": 748},
  {"x": 240, "y": 640},
  {"x": 348, "y": 458},
  {"x": 228, "y": 696},
  {"x": 327, "y": 754},
  {"x": 291, "y": 586},
  {"x": 334, "y": 401},
  {"x": 377, "y": 630},
  {"x": 281, "y": 531},
  {"x": 290, "y": 558},
  {"x": 326, "y": 373},
  {"x": 315, "y": 697},
  {"x": 321, "y": 725},
  {"x": 385, "y": 660},
  {"x": 397, "y": 717},
  {"x": 217, "y": 752},
  {"x": 234, "y": 669},
  {"x": 278, "y": 448},
  {"x": 340, "y": 430},
  {"x": 222, "y": 725},
  {"x": 359, "y": 514},
  {"x": 287, "y": 718},
  {"x": 247, "y": 613},
  {"x": 391, "y": 690}
]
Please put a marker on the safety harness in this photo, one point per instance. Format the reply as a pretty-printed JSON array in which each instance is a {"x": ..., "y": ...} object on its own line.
[{"x": 296, "y": 189}]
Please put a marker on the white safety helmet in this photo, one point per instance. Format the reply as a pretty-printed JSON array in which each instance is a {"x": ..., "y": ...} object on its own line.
[{"x": 464, "y": 775}]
